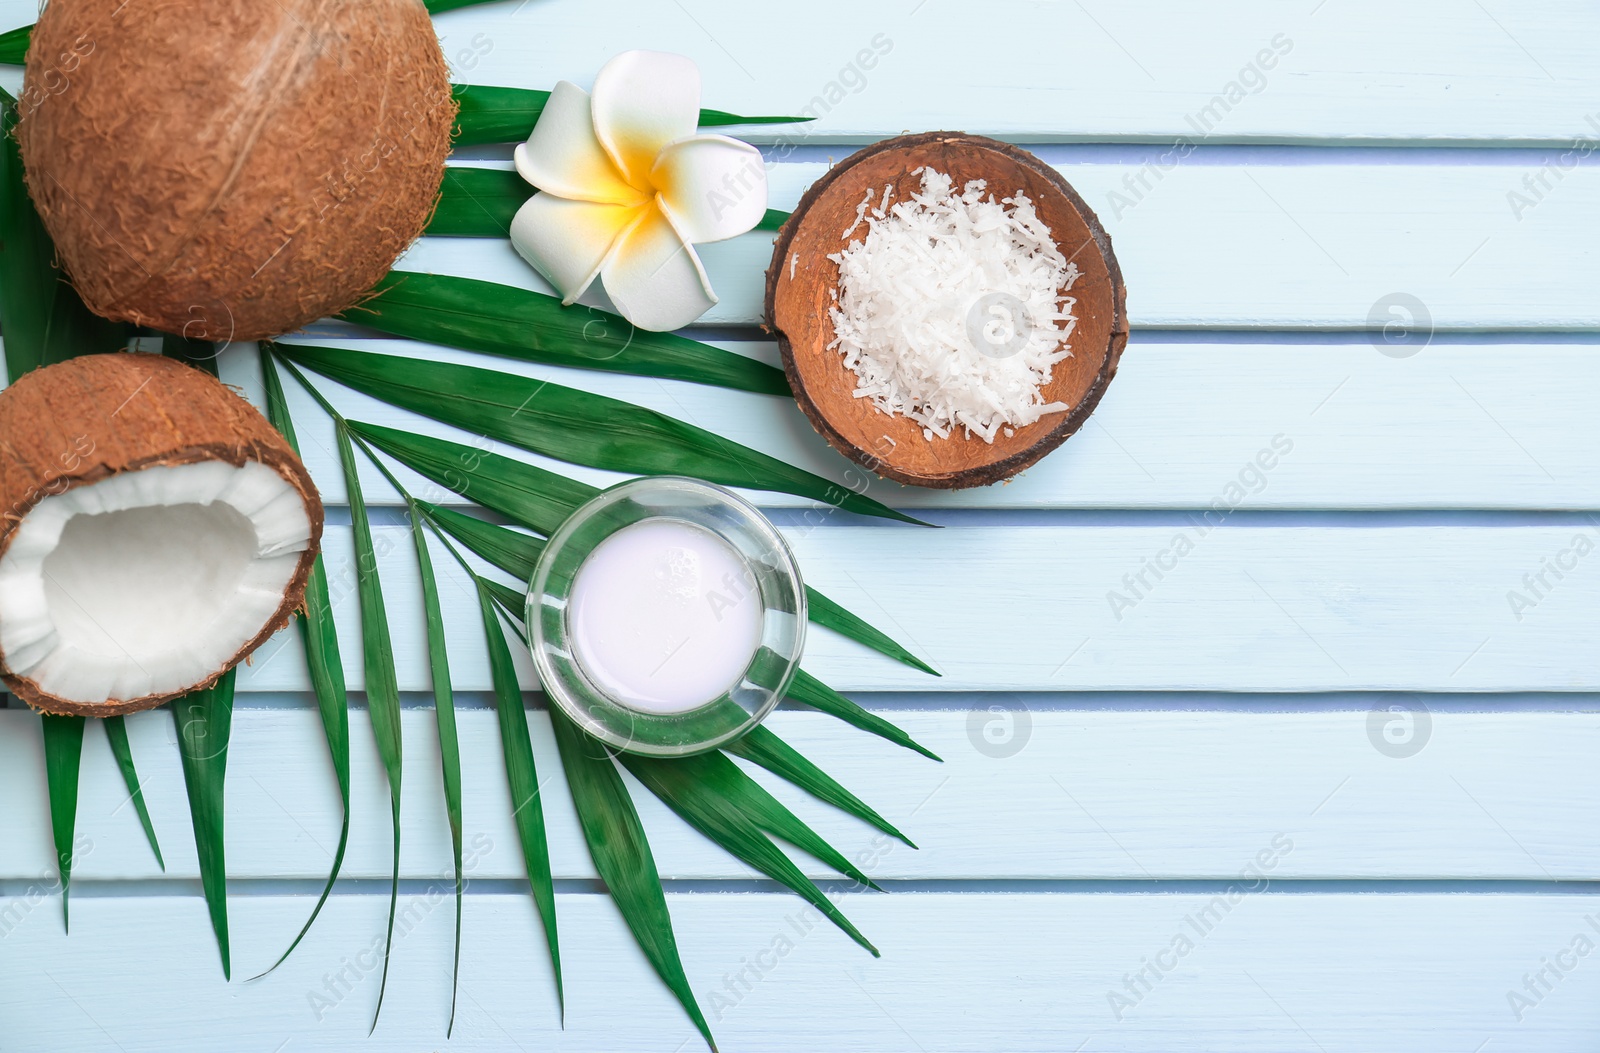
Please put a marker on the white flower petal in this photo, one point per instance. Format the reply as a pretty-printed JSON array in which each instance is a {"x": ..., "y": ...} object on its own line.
[
  {"x": 563, "y": 157},
  {"x": 655, "y": 277},
  {"x": 714, "y": 187},
  {"x": 643, "y": 100},
  {"x": 569, "y": 241}
]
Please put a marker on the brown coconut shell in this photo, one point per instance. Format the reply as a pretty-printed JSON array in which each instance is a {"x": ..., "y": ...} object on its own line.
[
  {"x": 233, "y": 169},
  {"x": 801, "y": 280},
  {"x": 88, "y": 418}
]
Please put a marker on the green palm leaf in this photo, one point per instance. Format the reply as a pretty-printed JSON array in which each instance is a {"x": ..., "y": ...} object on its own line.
[
  {"x": 540, "y": 500},
  {"x": 715, "y": 797},
  {"x": 122, "y": 750},
  {"x": 722, "y": 118},
  {"x": 320, "y": 638},
  {"x": 445, "y": 717},
  {"x": 523, "y": 778},
  {"x": 534, "y": 327},
  {"x": 506, "y": 115},
  {"x": 383, "y": 691},
  {"x": 492, "y": 114},
  {"x": 520, "y": 760},
  {"x": 512, "y": 551},
  {"x": 523, "y": 492},
  {"x": 810, "y": 691},
  {"x": 823, "y": 611},
  {"x": 43, "y": 319},
  {"x": 63, "y": 754},
  {"x": 621, "y": 854},
  {"x": 479, "y": 202},
  {"x": 761, "y": 745},
  {"x": 14, "y": 45},
  {"x": 204, "y": 720},
  {"x": 511, "y": 601},
  {"x": 570, "y": 425},
  {"x": 436, "y": 7}
]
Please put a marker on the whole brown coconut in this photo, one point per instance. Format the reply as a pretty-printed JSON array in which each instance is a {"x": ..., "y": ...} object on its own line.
[
  {"x": 233, "y": 169},
  {"x": 154, "y": 530}
]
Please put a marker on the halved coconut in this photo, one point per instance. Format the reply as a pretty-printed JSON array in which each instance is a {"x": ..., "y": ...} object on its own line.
[{"x": 157, "y": 530}]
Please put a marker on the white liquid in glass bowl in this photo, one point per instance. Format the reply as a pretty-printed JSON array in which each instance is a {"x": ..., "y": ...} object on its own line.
[{"x": 664, "y": 616}]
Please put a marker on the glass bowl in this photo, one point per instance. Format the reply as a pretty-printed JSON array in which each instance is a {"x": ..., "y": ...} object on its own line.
[{"x": 777, "y": 586}]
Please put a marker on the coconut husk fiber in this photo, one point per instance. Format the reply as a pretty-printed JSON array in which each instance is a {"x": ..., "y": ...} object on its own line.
[
  {"x": 232, "y": 169},
  {"x": 83, "y": 420}
]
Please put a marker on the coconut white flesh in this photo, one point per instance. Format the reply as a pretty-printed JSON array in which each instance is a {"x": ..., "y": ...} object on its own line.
[{"x": 148, "y": 582}]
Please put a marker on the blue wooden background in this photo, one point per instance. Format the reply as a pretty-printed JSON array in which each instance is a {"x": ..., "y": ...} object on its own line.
[{"x": 1329, "y": 713}]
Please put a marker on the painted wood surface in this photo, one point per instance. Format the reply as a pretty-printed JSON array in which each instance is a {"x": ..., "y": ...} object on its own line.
[
  {"x": 1334, "y": 678},
  {"x": 1382, "y": 788},
  {"x": 1356, "y": 70},
  {"x": 1484, "y": 422},
  {"x": 1331, "y": 971},
  {"x": 1266, "y": 237},
  {"x": 1255, "y": 604}
]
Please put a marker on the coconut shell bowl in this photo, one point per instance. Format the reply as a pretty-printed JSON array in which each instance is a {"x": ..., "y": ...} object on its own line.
[{"x": 800, "y": 293}]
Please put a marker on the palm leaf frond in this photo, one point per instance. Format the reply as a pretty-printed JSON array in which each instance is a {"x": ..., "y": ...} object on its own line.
[
  {"x": 478, "y": 202},
  {"x": 438, "y": 7},
  {"x": 14, "y": 45},
  {"x": 445, "y": 718},
  {"x": 810, "y": 691},
  {"x": 825, "y": 612},
  {"x": 506, "y": 115},
  {"x": 383, "y": 691},
  {"x": 204, "y": 721},
  {"x": 510, "y": 601},
  {"x": 532, "y": 326},
  {"x": 510, "y": 550},
  {"x": 63, "y": 756},
  {"x": 320, "y": 638},
  {"x": 761, "y": 745},
  {"x": 530, "y": 495},
  {"x": 711, "y": 794},
  {"x": 523, "y": 776},
  {"x": 122, "y": 751},
  {"x": 621, "y": 854},
  {"x": 570, "y": 424}
]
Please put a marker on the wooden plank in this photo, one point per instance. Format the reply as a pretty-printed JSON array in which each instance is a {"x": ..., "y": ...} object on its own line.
[
  {"x": 1251, "y": 604},
  {"x": 1451, "y": 427},
  {"x": 1112, "y": 793},
  {"x": 1268, "y": 238},
  {"x": 1501, "y": 72},
  {"x": 1367, "y": 973}
]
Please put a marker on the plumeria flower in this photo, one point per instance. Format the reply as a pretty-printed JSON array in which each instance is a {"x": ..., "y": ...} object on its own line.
[{"x": 627, "y": 189}]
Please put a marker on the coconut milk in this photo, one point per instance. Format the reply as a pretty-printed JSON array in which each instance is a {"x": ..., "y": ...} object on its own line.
[{"x": 664, "y": 616}]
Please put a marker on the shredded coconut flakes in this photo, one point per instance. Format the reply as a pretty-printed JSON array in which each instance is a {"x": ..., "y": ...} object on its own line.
[{"x": 928, "y": 270}]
